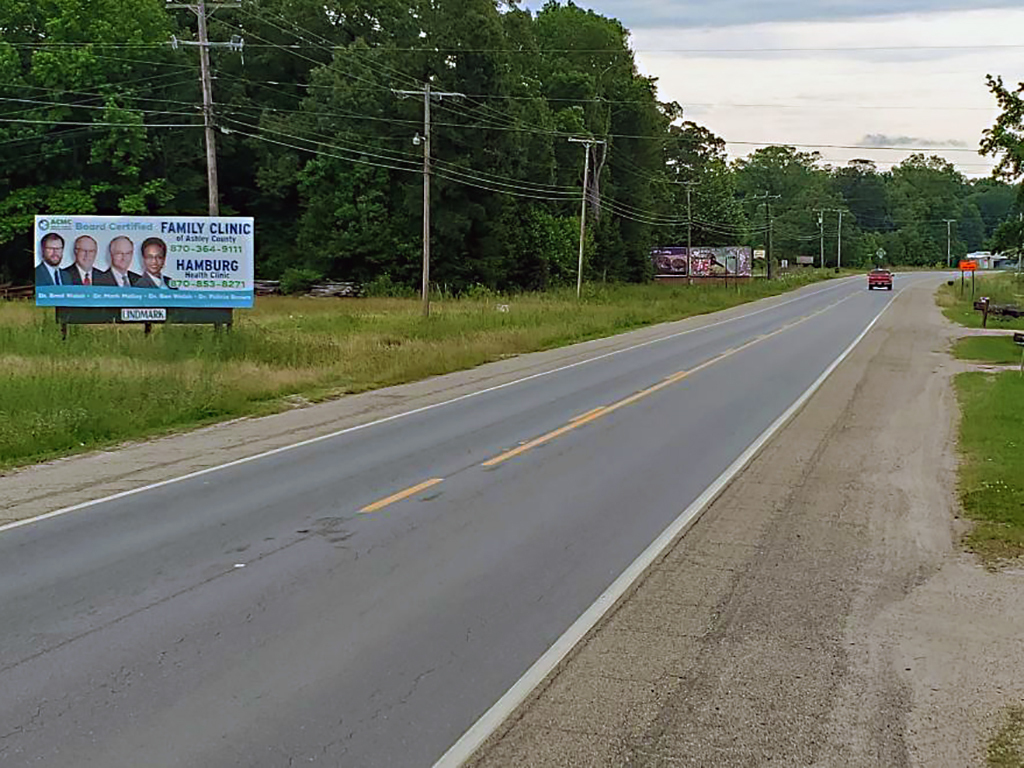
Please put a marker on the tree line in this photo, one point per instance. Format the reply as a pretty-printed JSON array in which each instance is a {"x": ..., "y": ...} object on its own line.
[{"x": 100, "y": 113}]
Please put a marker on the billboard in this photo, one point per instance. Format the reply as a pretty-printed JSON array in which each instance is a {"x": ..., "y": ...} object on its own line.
[
  {"x": 730, "y": 261},
  {"x": 144, "y": 261},
  {"x": 669, "y": 262}
]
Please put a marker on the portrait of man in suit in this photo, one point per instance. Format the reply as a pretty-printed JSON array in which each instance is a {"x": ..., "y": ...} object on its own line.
[
  {"x": 82, "y": 272},
  {"x": 51, "y": 248},
  {"x": 154, "y": 256},
  {"x": 122, "y": 252}
]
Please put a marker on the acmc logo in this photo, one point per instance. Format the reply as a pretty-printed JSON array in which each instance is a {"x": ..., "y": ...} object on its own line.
[{"x": 43, "y": 225}]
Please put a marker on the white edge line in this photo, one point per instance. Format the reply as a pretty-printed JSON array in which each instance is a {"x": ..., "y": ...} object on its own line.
[
  {"x": 492, "y": 719},
  {"x": 273, "y": 452}
]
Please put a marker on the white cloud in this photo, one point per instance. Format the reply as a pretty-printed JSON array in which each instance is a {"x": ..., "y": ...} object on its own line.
[
  {"x": 885, "y": 140},
  {"x": 840, "y": 96}
]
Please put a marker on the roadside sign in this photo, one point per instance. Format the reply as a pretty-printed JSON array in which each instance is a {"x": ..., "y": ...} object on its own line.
[
  {"x": 968, "y": 266},
  {"x": 880, "y": 253}
]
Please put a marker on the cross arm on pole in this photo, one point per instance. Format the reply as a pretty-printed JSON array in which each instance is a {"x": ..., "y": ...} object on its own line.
[{"x": 433, "y": 93}]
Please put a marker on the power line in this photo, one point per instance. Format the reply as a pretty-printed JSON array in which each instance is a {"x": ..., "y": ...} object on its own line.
[
  {"x": 99, "y": 124},
  {"x": 334, "y": 49},
  {"x": 306, "y": 58},
  {"x": 116, "y": 83},
  {"x": 484, "y": 177},
  {"x": 390, "y": 157},
  {"x": 468, "y": 179},
  {"x": 90, "y": 106},
  {"x": 440, "y": 173},
  {"x": 683, "y": 103},
  {"x": 349, "y": 158},
  {"x": 610, "y": 51},
  {"x": 624, "y": 51},
  {"x": 326, "y": 137}
]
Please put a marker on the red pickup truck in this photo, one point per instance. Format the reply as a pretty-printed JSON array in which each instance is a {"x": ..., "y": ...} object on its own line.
[{"x": 879, "y": 278}]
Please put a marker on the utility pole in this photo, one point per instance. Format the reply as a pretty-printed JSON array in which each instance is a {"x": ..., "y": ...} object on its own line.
[
  {"x": 689, "y": 230},
  {"x": 588, "y": 143},
  {"x": 211, "y": 142},
  {"x": 821, "y": 233},
  {"x": 200, "y": 10},
  {"x": 427, "y": 94},
  {"x": 767, "y": 198},
  {"x": 839, "y": 244},
  {"x": 839, "y": 247},
  {"x": 689, "y": 227},
  {"x": 949, "y": 252}
]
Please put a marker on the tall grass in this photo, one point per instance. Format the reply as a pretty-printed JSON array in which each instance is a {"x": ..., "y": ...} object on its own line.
[
  {"x": 1002, "y": 288},
  {"x": 111, "y": 383}
]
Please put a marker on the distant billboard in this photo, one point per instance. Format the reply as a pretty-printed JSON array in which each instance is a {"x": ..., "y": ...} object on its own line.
[
  {"x": 730, "y": 261},
  {"x": 144, "y": 261},
  {"x": 669, "y": 262}
]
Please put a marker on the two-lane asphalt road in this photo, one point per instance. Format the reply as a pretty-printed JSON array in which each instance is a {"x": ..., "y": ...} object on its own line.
[{"x": 361, "y": 600}]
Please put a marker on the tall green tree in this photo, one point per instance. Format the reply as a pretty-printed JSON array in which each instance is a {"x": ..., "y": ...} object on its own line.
[
  {"x": 80, "y": 85},
  {"x": 795, "y": 184},
  {"x": 1005, "y": 139}
]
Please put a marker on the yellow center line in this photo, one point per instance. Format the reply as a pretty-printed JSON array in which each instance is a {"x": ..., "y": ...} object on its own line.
[
  {"x": 585, "y": 419},
  {"x": 597, "y": 413},
  {"x": 673, "y": 379},
  {"x": 379, "y": 505},
  {"x": 587, "y": 414}
]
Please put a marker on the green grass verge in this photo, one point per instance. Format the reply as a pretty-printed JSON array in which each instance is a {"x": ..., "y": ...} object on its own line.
[
  {"x": 991, "y": 480},
  {"x": 997, "y": 350},
  {"x": 107, "y": 384},
  {"x": 1001, "y": 288},
  {"x": 1006, "y": 750}
]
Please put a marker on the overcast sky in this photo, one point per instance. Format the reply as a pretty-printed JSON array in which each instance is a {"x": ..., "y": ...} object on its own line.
[{"x": 906, "y": 92}]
